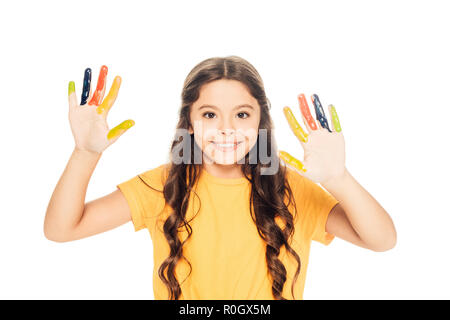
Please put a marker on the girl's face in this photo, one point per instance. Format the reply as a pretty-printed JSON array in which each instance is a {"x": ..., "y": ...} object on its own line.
[{"x": 225, "y": 120}]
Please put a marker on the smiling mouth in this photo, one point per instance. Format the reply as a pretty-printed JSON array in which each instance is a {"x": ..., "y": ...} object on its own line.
[{"x": 225, "y": 145}]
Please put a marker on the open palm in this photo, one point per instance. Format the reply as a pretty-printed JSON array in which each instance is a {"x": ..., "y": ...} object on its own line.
[
  {"x": 324, "y": 147},
  {"x": 88, "y": 119}
]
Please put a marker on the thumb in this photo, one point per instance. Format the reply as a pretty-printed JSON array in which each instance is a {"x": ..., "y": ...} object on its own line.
[
  {"x": 292, "y": 162},
  {"x": 120, "y": 129}
]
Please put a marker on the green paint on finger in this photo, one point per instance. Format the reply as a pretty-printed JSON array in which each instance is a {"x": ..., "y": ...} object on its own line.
[
  {"x": 71, "y": 87},
  {"x": 335, "y": 119}
]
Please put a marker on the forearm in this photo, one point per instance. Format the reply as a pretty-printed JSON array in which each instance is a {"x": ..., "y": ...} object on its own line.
[
  {"x": 368, "y": 218},
  {"x": 66, "y": 205}
]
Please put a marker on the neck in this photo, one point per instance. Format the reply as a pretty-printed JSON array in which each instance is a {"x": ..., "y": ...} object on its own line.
[{"x": 224, "y": 171}]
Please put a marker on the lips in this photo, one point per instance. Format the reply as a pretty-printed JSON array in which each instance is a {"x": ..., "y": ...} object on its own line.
[
  {"x": 226, "y": 143},
  {"x": 226, "y": 147}
]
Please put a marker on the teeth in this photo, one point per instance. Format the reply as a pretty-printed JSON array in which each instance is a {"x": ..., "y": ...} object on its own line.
[{"x": 226, "y": 145}]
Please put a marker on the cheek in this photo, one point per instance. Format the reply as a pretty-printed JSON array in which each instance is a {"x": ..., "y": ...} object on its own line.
[
  {"x": 200, "y": 130},
  {"x": 251, "y": 135},
  {"x": 201, "y": 141}
]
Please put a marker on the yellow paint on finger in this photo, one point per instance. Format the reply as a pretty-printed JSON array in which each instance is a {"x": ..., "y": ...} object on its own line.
[
  {"x": 111, "y": 97},
  {"x": 290, "y": 160},
  {"x": 71, "y": 87},
  {"x": 295, "y": 126},
  {"x": 119, "y": 129},
  {"x": 335, "y": 119}
]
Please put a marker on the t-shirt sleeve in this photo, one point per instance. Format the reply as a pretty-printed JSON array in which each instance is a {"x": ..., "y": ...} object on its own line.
[
  {"x": 317, "y": 204},
  {"x": 142, "y": 200}
]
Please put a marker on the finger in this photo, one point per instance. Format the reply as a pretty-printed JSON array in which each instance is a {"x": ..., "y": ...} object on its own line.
[
  {"x": 332, "y": 123},
  {"x": 291, "y": 161},
  {"x": 110, "y": 98},
  {"x": 320, "y": 114},
  {"x": 91, "y": 93},
  {"x": 334, "y": 118},
  {"x": 86, "y": 86},
  {"x": 310, "y": 123},
  {"x": 101, "y": 85},
  {"x": 295, "y": 126},
  {"x": 305, "y": 123},
  {"x": 118, "y": 130},
  {"x": 73, "y": 102}
]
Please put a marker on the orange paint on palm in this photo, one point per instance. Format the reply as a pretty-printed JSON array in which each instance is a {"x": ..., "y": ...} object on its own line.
[
  {"x": 305, "y": 111},
  {"x": 100, "y": 87}
]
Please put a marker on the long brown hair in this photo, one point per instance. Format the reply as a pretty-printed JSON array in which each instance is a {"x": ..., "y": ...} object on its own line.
[{"x": 268, "y": 191}]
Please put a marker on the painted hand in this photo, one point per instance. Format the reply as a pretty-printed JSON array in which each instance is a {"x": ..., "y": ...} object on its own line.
[
  {"x": 324, "y": 147},
  {"x": 88, "y": 119}
]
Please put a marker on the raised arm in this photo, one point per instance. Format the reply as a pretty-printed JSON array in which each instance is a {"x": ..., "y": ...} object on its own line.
[
  {"x": 358, "y": 218},
  {"x": 68, "y": 217}
]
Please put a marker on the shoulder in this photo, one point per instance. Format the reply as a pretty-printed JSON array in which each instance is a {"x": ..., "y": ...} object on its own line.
[
  {"x": 301, "y": 183},
  {"x": 305, "y": 191},
  {"x": 294, "y": 178},
  {"x": 156, "y": 176}
]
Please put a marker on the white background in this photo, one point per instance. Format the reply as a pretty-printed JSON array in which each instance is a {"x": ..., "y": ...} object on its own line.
[{"x": 383, "y": 64}]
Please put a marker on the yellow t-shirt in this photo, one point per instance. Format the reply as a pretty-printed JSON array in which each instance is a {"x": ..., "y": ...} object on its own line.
[{"x": 225, "y": 250}]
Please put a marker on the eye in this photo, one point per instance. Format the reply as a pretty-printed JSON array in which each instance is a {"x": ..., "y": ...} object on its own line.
[
  {"x": 244, "y": 113},
  {"x": 208, "y": 113}
]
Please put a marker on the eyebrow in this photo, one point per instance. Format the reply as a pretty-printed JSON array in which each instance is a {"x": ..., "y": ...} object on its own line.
[{"x": 237, "y": 107}]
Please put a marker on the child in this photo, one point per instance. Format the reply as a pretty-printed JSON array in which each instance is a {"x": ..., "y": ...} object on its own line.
[{"x": 225, "y": 223}]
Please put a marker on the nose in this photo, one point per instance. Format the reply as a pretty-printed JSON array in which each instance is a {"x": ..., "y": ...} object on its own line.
[
  {"x": 226, "y": 127},
  {"x": 226, "y": 132},
  {"x": 226, "y": 135}
]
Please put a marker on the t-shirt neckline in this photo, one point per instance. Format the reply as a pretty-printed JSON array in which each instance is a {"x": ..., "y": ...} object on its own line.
[{"x": 223, "y": 181}]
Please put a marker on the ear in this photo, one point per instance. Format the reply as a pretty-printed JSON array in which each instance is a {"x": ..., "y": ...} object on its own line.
[{"x": 191, "y": 131}]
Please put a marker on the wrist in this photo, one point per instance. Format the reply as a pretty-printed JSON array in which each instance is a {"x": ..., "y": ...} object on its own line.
[
  {"x": 337, "y": 181},
  {"x": 88, "y": 153}
]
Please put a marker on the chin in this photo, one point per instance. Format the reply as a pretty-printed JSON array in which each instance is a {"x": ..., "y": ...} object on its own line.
[{"x": 226, "y": 159}]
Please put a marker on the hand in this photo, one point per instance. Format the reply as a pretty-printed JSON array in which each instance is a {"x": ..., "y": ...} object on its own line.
[
  {"x": 324, "y": 148},
  {"x": 88, "y": 119}
]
